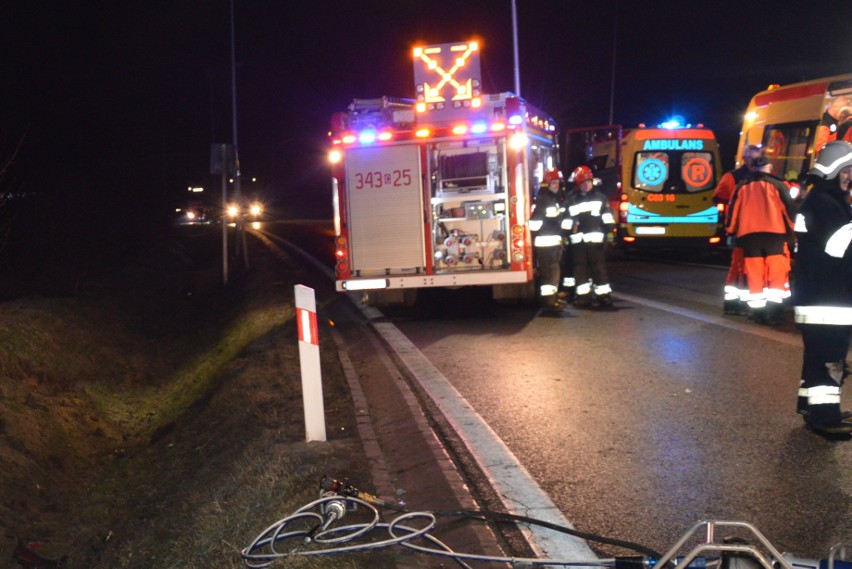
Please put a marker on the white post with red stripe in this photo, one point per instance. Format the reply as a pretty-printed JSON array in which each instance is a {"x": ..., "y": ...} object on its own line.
[{"x": 309, "y": 358}]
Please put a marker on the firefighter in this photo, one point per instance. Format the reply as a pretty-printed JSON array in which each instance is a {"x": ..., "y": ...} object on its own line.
[
  {"x": 736, "y": 289},
  {"x": 589, "y": 219},
  {"x": 566, "y": 265},
  {"x": 822, "y": 289},
  {"x": 546, "y": 224},
  {"x": 760, "y": 218}
]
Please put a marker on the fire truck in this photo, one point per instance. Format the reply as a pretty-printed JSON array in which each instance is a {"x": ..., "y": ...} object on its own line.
[
  {"x": 436, "y": 191},
  {"x": 660, "y": 179}
]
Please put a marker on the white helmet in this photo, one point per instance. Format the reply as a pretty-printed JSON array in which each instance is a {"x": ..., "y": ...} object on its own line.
[{"x": 833, "y": 157}]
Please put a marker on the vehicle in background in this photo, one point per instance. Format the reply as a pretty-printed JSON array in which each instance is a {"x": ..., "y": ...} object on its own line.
[
  {"x": 783, "y": 121},
  {"x": 194, "y": 213},
  {"x": 660, "y": 180},
  {"x": 437, "y": 191}
]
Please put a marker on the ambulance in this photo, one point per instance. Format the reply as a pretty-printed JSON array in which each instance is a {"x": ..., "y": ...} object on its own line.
[
  {"x": 659, "y": 179},
  {"x": 437, "y": 190},
  {"x": 783, "y": 121}
]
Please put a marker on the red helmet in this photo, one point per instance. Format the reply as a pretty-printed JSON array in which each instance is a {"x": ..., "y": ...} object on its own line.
[
  {"x": 552, "y": 174},
  {"x": 581, "y": 174}
]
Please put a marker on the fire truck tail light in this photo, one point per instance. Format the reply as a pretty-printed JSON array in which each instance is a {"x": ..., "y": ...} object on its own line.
[
  {"x": 423, "y": 133},
  {"x": 420, "y": 107},
  {"x": 498, "y": 127},
  {"x": 518, "y": 257},
  {"x": 348, "y": 138},
  {"x": 385, "y": 136},
  {"x": 476, "y": 102},
  {"x": 720, "y": 207},
  {"x": 460, "y": 129},
  {"x": 517, "y": 230},
  {"x": 715, "y": 240},
  {"x": 623, "y": 207}
]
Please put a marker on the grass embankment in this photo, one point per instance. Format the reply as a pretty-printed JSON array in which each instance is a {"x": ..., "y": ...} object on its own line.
[{"x": 154, "y": 419}]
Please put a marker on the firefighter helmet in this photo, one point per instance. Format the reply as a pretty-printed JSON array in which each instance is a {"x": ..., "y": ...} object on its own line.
[
  {"x": 552, "y": 174},
  {"x": 581, "y": 174},
  {"x": 833, "y": 157}
]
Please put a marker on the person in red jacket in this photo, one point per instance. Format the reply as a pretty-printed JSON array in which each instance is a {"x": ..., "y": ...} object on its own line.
[
  {"x": 735, "y": 283},
  {"x": 761, "y": 219}
]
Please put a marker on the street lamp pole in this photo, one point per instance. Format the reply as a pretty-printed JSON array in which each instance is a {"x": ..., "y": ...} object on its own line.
[
  {"x": 515, "y": 44},
  {"x": 240, "y": 237}
]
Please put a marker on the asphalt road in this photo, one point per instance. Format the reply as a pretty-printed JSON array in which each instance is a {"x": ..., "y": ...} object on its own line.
[{"x": 642, "y": 421}]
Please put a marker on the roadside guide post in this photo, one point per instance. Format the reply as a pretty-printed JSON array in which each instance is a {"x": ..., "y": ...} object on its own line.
[{"x": 309, "y": 360}]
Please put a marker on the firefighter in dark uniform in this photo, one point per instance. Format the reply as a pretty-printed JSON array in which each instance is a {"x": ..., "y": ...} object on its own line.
[
  {"x": 589, "y": 219},
  {"x": 566, "y": 265},
  {"x": 822, "y": 289},
  {"x": 546, "y": 225}
]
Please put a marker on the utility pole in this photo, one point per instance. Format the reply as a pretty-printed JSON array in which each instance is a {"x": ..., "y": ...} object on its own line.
[
  {"x": 241, "y": 247},
  {"x": 515, "y": 44},
  {"x": 612, "y": 77}
]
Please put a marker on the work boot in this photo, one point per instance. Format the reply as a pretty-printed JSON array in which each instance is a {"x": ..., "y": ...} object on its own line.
[
  {"x": 605, "y": 301},
  {"x": 774, "y": 314},
  {"x": 583, "y": 301},
  {"x": 838, "y": 427},
  {"x": 552, "y": 303},
  {"x": 732, "y": 308}
]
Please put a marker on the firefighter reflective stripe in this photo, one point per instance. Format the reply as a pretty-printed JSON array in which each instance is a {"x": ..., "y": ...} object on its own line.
[
  {"x": 535, "y": 224},
  {"x": 776, "y": 294},
  {"x": 608, "y": 218},
  {"x": 548, "y": 289},
  {"x": 592, "y": 207},
  {"x": 553, "y": 211},
  {"x": 567, "y": 223},
  {"x": 839, "y": 242},
  {"x": 547, "y": 240},
  {"x": 822, "y": 394},
  {"x": 603, "y": 289},
  {"x": 834, "y": 315},
  {"x": 800, "y": 226},
  {"x": 734, "y": 293},
  {"x": 584, "y": 288},
  {"x": 568, "y": 281},
  {"x": 590, "y": 237}
]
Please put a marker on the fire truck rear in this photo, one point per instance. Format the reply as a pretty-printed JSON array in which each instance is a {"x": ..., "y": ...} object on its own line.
[{"x": 437, "y": 191}]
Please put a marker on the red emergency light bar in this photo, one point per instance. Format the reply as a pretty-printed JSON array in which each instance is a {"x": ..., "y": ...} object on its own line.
[{"x": 370, "y": 136}]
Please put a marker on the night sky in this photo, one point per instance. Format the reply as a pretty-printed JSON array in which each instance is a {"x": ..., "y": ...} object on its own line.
[{"x": 125, "y": 98}]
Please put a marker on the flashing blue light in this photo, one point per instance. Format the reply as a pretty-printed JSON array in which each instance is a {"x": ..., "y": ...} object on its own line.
[
  {"x": 516, "y": 119},
  {"x": 367, "y": 136},
  {"x": 479, "y": 127},
  {"x": 674, "y": 122}
]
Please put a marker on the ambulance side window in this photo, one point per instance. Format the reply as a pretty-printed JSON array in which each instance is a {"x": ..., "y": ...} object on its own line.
[{"x": 787, "y": 147}]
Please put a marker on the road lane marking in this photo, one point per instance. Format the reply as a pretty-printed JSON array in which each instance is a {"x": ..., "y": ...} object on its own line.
[
  {"x": 768, "y": 333},
  {"x": 520, "y": 494}
]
